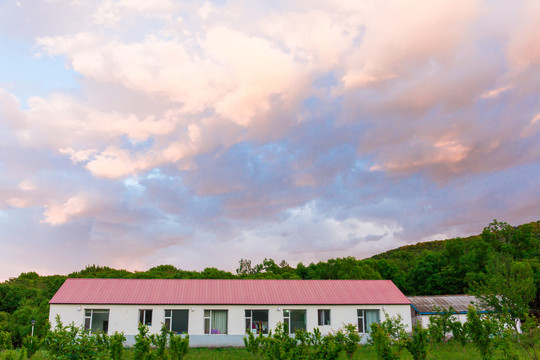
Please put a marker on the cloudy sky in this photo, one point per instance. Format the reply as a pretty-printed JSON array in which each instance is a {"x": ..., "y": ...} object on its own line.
[{"x": 135, "y": 133}]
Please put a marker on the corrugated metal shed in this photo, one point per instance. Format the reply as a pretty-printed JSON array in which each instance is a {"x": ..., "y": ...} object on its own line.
[
  {"x": 429, "y": 304},
  {"x": 229, "y": 292}
]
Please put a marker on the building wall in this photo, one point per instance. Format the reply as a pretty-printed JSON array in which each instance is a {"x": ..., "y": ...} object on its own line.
[
  {"x": 425, "y": 319},
  {"x": 125, "y": 318}
]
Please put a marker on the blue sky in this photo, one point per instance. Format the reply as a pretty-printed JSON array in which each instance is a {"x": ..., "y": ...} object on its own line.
[{"x": 137, "y": 133}]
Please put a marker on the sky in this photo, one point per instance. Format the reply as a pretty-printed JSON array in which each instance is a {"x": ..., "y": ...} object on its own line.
[{"x": 135, "y": 133}]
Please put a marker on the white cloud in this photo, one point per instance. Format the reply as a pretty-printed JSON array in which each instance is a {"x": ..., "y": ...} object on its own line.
[{"x": 57, "y": 214}]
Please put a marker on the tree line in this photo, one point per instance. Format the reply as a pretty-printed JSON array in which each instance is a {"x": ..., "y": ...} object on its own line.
[{"x": 503, "y": 259}]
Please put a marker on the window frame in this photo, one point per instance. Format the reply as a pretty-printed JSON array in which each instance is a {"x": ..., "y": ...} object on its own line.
[
  {"x": 288, "y": 318},
  {"x": 143, "y": 313},
  {"x": 90, "y": 318},
  {"x": 250, "y": 319},
  {"x": 208, "y": 318},
  {"x": 361, "y": 314},
  {"x": 168, "y": 319},
  {"x": 326, "y": 317}
]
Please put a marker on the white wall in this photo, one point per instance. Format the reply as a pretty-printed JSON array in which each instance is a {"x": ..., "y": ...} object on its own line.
[
  {"x": 425, "y": 319},
  {"x": 125, "y": 318}
]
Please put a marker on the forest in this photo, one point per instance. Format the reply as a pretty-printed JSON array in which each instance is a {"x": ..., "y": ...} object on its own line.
[{"x": 502, "y": 259}]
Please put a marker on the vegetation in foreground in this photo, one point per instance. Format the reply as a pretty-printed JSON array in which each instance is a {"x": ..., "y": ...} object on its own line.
[{"x": 483, "y": 336}]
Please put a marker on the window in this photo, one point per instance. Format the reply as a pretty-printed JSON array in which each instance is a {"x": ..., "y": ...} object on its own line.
[
  {"x": 295, "y": 320},
  {"x": 177, "y": 321},
  {"x": 145, "y": 317},
  {"x": 366, "y": 318},
  {"x": 96, "y": 320},
  {"x": 257, "y": 321},
  {"x": 215, "y": 321},
  {"x": 324, "y": 317}
]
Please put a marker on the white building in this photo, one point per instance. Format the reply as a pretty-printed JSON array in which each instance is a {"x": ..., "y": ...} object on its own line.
[
  {"x": 220, "y": 312},
  {"x": 423, "y": 307}
]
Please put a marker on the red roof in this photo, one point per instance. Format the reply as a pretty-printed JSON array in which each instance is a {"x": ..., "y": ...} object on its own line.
[{"x": 229, "y": 292}]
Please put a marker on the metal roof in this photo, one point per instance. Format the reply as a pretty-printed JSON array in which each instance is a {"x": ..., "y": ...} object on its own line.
[
  {"x": 229, "y": 292},
  {"x": 431, "y": 304}
]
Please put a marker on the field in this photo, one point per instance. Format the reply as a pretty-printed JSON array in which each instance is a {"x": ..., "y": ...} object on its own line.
[{"x": 441, "y": 352}]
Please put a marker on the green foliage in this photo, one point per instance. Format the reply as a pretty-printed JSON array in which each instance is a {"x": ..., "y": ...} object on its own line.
[
  {"x": 278, "y": 345},
  {"x": 440, "y": 324},
  {"x": 459, "y": 332},
  {"x": 349, "y": 338},
  {"x": 417, "y": 343},
  {"x": 383, "y": 343},
  {"x": 160, "y": 342},
  {"x": 141, "y": 349},
  {"x": 388, "y": 337},
  {"x": 253, "y": 343},
  {"x": 178, "y": 346},
  {"x": 482, "y": 330},
  {"x": 32, "y": 344},
  {"x": 529, "y": 336},
  {"x": 116, "y": 345},
  {"x": 71, "y": 342},
  {"x": 5, "y": 341}
]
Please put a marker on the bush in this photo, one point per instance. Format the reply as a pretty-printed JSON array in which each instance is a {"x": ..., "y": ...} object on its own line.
[
  {"x": 482, "y": 331},
  {"x": 178, "y": 346},
  {"x": 439, "y": 324},
  {"x": 388, "y": 337},
  {"x": 417, "y": 343},
  {"x": 5, "y": 341},
  {"x": 349, "y": 338},
  {"x": 160, "y": 342},
  {"x": 32, "y": 344},
  {"x": 141, "y": 349},
  {"x": 253, "y": 343},
  {"x": 278, "y": 345},
  {"x": 116, "y": 345}
]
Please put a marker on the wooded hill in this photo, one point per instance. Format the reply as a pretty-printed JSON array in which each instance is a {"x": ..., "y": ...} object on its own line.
[{"x": 501, "y": 253}]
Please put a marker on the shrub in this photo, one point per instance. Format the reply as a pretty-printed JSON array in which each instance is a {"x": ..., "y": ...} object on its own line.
[
  {"x": 439, "y": 324},
  {"x": 417, "y": 343},
  {"x": 116, "y": 345},
  {"x": 178, "y": 346},
  {"x": 141, "y": 349},
  {"x": 160, "y": 342},
  {"x": 529, "y": 336},
  {"x": 329, "y": 347},
  {"x": 350, "y": 339},
  {"x": 32, "y": 344},
  {"x": 253, "y": 343},
  {"x": 388, "y": 337},
  {"x": 482, "y": 331},
  {"x": 278, "y": 345},
  {"x": 5, "y": 341}
]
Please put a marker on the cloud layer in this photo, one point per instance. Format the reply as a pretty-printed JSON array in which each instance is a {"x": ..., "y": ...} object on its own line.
[{"x": 200, "y": 133}]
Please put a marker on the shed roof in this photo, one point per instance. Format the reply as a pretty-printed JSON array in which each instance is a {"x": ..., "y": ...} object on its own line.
[
  {"x": 228, "y": 292},
  {"x": 431, "y": 304}
]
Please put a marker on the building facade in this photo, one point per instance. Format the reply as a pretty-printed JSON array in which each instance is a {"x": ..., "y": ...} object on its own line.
[{"x": 220, "y": 312}]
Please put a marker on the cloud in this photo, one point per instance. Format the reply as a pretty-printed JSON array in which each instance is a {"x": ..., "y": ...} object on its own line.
[
  {"x": 60, "y": 213},
  {"x": 302, "y": 130}
]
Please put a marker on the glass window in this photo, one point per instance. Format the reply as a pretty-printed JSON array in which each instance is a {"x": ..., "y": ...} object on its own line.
[
  {"x": 294, "y": 320},
  {"x": 177, "y": 321},
  {"x": 324, "y": 317},
  {"x": 366, "y": 318},
  {"x": 96, "y": 320},
  {"x": 215, "y": 321},
  {"x": 145, "y": 317},
  {"x": 257, "y": 321}
]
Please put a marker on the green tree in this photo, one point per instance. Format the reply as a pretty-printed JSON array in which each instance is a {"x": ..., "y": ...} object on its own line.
[{"x": 482, "y": 331}]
